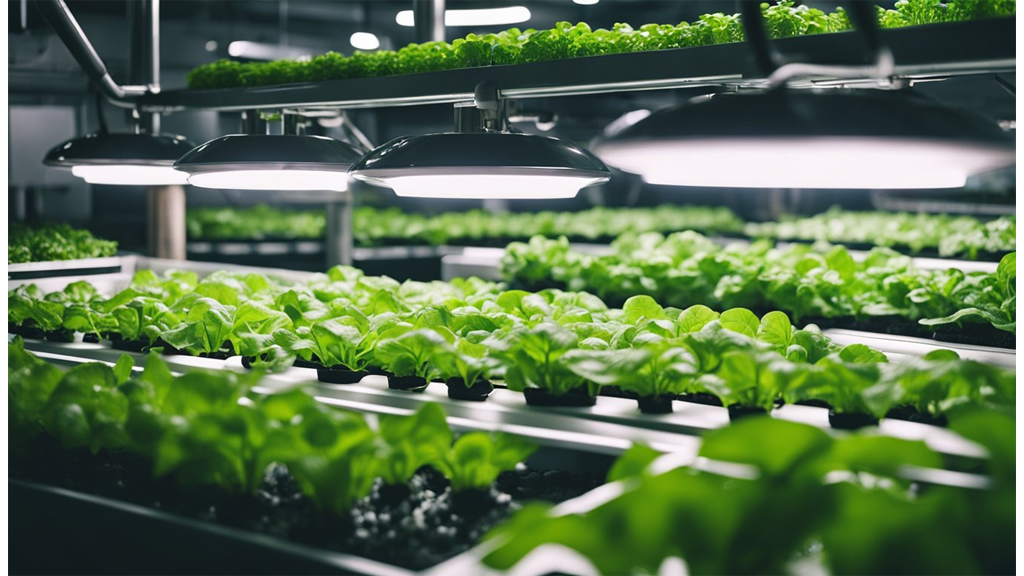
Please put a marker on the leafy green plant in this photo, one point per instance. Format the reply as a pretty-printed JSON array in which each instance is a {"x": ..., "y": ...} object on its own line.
[
  {"x": 843, "y": 493},
  {"x": 800, "y": 280},
  {"x": 49, "y": 242},
  {"x": 476, "y": 459}
]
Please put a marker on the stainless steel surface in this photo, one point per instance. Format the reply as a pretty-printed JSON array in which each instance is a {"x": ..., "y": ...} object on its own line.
[
  {"x": 64, "y": 24},
  {"x": 165, "y": 221},
  {"x": 62, "y": 267},
  {"x": 907, "y": 345},
  {"x": 339, "y": 241},
  {"x": 428, "y": 16}
]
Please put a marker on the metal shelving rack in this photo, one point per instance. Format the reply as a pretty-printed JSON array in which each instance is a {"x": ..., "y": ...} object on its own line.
[{"x": 926, "y": 52}]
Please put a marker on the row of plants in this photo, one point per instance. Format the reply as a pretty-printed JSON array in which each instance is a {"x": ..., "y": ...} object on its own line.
[
  {"x": 556, "y": 347},
  {"x": 947, "y": 235},
  {"x": 845, "y": 502},
  {"x": 820, "y": 282},
  {"x": 209, "y": 430},
  {"x": 566, "y": 40},
  {"x": 389, "y": 226},
  {"x": 801, "y": 501},
  {"x": 48, "y": 242}
]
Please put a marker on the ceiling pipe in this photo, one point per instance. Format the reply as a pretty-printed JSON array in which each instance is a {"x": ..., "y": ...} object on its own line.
[{"x": 71, "y": 34}]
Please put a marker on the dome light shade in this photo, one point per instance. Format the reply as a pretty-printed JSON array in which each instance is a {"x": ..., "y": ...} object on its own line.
[
  {"x": 121, "y": 159},
  {"x": 265, "y": 162},
  {"x": 809, "y": 139},
  {"x": 481, "y": 165}
]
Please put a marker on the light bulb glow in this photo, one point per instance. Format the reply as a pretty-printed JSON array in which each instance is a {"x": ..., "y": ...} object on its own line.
[
  {"x": 488, "y": 186},
  {"x": 130, "y": 175},
  {"x": 586, "y": 2},
  {"x": 825, "y": 162},
  {"x": 364, "y": 41},
  {"x": 271, "y": 180},
  {"x": 478, "y": 17}
]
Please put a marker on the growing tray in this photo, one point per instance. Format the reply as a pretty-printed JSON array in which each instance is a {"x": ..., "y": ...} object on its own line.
[
  {"x": 54, "y": 530},
  {"x": 58, "y": 268}
]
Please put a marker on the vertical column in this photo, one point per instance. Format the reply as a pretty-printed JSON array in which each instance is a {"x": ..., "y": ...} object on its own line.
[
  {"x": 429, "y": 20},
  {"x": 339, "y": 229},
  {"x": 166, "y": 221}
]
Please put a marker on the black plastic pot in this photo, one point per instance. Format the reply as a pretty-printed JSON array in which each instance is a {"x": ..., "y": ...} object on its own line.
[
  {"x": 222, "y": 354},
  {"x": 478, "y": 392},
  {"x": 910, "y": 414},
  {"x": 59, "y": 336},
  {"x": 850, "y": 420},
  {"x": 655, "y": 404},
  {"x": 814, "y": 403},
  {"x": 91, "y": 338},
  {"x": 340, "y": 375},
  {"x": 26, "y": 331},
  {"x": 737, "y": 411},
  {"x": 701, "y": 398},
  {"x": 407, "y": 383},
  {"x": 119, "y": 343},
  {"x": 577, "y": 397}
]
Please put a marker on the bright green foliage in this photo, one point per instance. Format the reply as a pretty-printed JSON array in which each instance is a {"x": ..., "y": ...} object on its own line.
[
  {"x": 568, "y": 40},
  {"x": 476, "y": 458},
  {"x": 54, "y": 242},
  {"x": 552, "y": 340},
  {"x": 802, "y": 280},
  {"x": 950, "y": 235},
  {"x": 788, "y": 485},
  {"x": 210, "y": 428}
]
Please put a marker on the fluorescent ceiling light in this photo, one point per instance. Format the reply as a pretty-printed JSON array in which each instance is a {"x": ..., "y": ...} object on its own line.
[
  {"x": 586, "y": 2},
  {"x": 856, "y": 163},
  {"x": 479, "y": 17},
  {"x": 262, "y": 162},
  {"x": 809, "y": 139},
  {"x": 481, "y": 165},
  {"x": 364, "y": 41},
  {"x": 130, "y": 175},
  {"x": 263, "y": 51},
  {"x": 121, "y": 159}
]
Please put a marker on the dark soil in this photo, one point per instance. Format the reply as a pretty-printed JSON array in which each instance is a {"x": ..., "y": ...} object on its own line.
[{"x": 414, "y": 526}]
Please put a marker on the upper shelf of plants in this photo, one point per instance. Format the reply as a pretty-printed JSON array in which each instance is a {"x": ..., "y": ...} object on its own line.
[{"x": 926, "y": 37}]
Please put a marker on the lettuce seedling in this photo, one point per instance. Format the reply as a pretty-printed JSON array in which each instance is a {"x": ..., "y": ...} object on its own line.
[
  {"x": 466, "y": 360},
  {"x": 535, "y": 358},
  {"x": 404, "y": 351},
  {"x": 410, "y": 442},
  {"x": 477, "y": 458}
]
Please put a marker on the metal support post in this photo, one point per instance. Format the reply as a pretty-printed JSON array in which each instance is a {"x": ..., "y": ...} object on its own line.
[
  {"x": 339, "y": 229},
  {"x": 166, "y": 221},
  {"x": 429, "y": 20}
]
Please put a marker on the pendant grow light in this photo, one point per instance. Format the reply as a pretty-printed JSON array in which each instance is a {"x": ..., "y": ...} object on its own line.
[
  {"x": 486, "y": 162},
  {"x": 858, "y": 139},
  {"x": 780, "y": 137},
  {"x": 122, "y": 159},
  {"x": 269, "y": 162}
]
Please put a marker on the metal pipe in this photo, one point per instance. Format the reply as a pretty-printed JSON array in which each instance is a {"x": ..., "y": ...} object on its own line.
[
  {"x": 339, "y": 230},
  {"x": 144, "y": 54},
  {"x": 64, "y": 24},
  {"x": 428, "y": 16}
]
